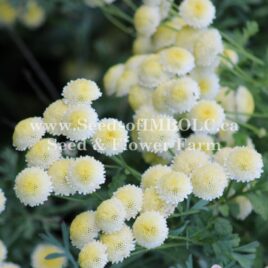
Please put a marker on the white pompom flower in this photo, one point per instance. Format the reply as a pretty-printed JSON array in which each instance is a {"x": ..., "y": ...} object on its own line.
[
  {"x": 207, "y": 116},
  {"x": 208, "y": 81},
  {"x": 244, "y": 164},
  {"x": 197, "y": 13},
  {"x": 2, "y": 201},
  {"x": 33, "y": 186},
  {"x": 81, "y": 91},
  {"x": 80, "y": 122},
  {"x": 150, "y": 229},
  {"x": 153, "y": 202},
  {"x": 93, "y": 255},
  {"x": 174, "y": 187},
  {"x": 110, "y": 215},
  {"x": 183, "y": 94},
  {"x": 119, "y": 244},
  {"x": 28, "y": 132},
  {"x": 158, "y": 134},
  {"x": 151, "y": 73},
  {"x": 222, "y": 155},
  {"x": 202, "y": 142},
  {"x": 230, "y": 59},
  {"x": 146, "y": 20},
  {"x": 151, "y": 176},
  {"x": 53, "y": 117},
  {"x": 187, "y": 37},
  {"x": 83, "y": 229},
  {"x": 111, "y": 77},
  {"x": 142, "y": 45},
  {"x": 139, "y": 96},
  {"x": 244, "y": 206},
  {"x": 176, "y": 60},
  {"x": 58, "y": 172},
  {"x": 110, "y": 137},
  {"x": 44, "y": 153},
  {"x": 131, "y": 198},
  {"x": 86, "y": 174},
  {"x": 209, "y": 181},
  {"x": 189, "y": 160},
  {"x": 208, "y": 47},
  {"x": 125, "y": 82},
  {"x": 40, "y": 253},
  {"x": 3, "y": 251}
]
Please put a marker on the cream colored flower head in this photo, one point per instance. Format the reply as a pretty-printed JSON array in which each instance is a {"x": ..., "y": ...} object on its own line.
[
  {"x": 139, "y": 96},
  {"x": 40, "y": 253},
  {"x": 150, "y": 229},
  {"x": 158, "y": 134},
  {"x": 58, "y": 172},
  {"x": 146, "y": 20},
  {"x": 151, "y": 176},
  {"x": 197, "y": 13},
  {"x": 119, "y": 244},
  {"x": 165, "y": 36},
  {"x": 2, "y": 201},
  {"x": 28, "y": 132},
  {"x": 131, "y": 198},
  {"x": 187, "y": 37},
  {"x": 174, "y": 187},
  {"x": 202, "y": 142},
  {"x": 33, "y": 14},
  {"x": 222, "y": 155},
  {"x": 134, "y": 62},
  {"x": 9, "y": 265},
  {"x": 245, "y": 104},
  {"x": 44, "y": 153},
  {"x": 208, "y": 47},
  {"x": 189, "y": 160},
  {"x": 81, "y": 121},
  {"x": 83, "y": 229},
  {"x": 110, "y": 137},
  {"x": 207, "y": 116},
  {"x": 209, "y": 181},
  {"x": 244, "y": 206},
  {"x": 53, "y": 117},
  {"x": 8, "y": 13},
  {"x": 126, "y": 81},
  {"x": 176, "y": 60},
  {"x": 142, "y": 45},
  {"x": 151, "y": 73},
  {"x": 33, "y": 186},
  {"x": 153, "y": 202},
  {"x": 182, "y": 94},
  {"x": 86, "y": 174},
  {"x": 208, "y": 82},
  {"x": 110, "y": 215},
  {"x": 3, "y": 251},
  {"x": 93, "y": 255},
  {"x": 244, "y": 164},
  {"x": 111, "y": 77},
  {"x": 81, "y": 91},
  {"x": 230, "y": 58}
]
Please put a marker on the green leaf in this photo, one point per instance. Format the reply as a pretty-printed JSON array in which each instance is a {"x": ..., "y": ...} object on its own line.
[
  {"x": 246, "y": 261},
  {"x": 189, "y": 262},
  {"x": 249, "y": 248},
  {"x": 259, "y": 203}
]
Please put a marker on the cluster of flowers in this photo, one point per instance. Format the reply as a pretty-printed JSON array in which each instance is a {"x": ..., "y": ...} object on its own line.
[
  {"x": 3, "y": 256},
  {"x": 31, "y": 14},
  {"x": 162, "y": 189},
  {"x": 177, "y": 79},
  {"x": 173, "y": 74},
  {"x": 48, "y": 170}
]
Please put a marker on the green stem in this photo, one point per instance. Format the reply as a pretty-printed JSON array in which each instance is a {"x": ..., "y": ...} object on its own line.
[
  {"x": 242, "y": 50},
  {"x": 177, "y": 215},
  {"x": 121, "y": 162},
  {"x": 131, "y": 4}
]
